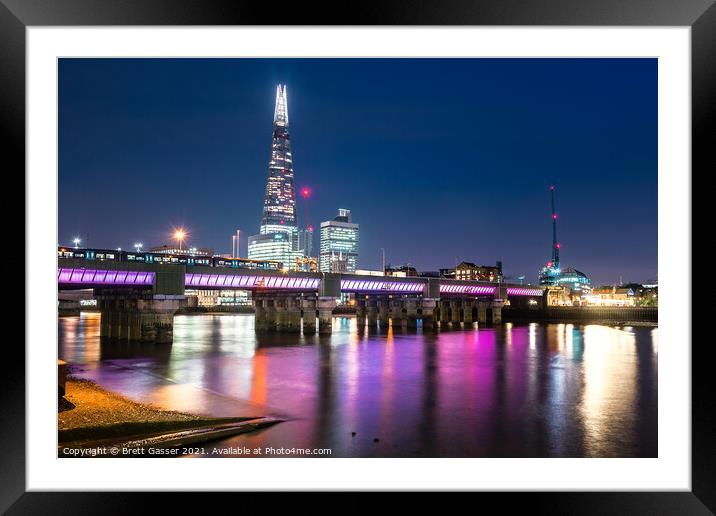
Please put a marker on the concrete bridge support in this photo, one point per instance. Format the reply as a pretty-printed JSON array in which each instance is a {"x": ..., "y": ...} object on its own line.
[
  {"x": 396, "y": 313},
  {"x": 142, "y": 317},
  {"x": 455, "y": 306},
  {"x": 288, "y": 314},
  {"x": 497, "y": 305},
  {"x": 428, "y": 308},
  {"x": 325, "y": 314},
  {"x": 372, "y": 312},
  {"x": 411, "y": 313},
  {"x": 467, "y": 306},
  {"x": 271, "y": 314},
  {"x": 361, "y": 305},
  {"x": 482, "y": 313},
  {"x": 383, "y": 313},
  {"x": 309, "y": 305},
  {"x": 260, "y": 314},
  {"x": 444, "y": 312}
]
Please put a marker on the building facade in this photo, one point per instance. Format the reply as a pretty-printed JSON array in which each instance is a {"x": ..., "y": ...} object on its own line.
[
  {"x": 473, "y": 272},
  {"x": 188, "y": 251},
  {"x": 339, "y": 244},
  {"x": 235, "y": 241},
  {"x": 279, "y": 237},
  {"x": 402, "y": 271}
]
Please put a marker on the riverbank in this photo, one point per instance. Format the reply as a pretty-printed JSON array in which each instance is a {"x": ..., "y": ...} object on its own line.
[{"x": 90, "y": 417}]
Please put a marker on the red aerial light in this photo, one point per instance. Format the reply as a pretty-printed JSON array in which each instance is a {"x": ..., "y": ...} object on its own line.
[
  {"x": 305, "y": 192},
  {"x": 557, "y": 246},
  {"x": 310, "y": 228},
  {"x": 554, "y": 216}
]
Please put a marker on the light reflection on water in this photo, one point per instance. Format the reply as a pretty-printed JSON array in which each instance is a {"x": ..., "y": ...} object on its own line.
[{"x": 537, "y": 390}]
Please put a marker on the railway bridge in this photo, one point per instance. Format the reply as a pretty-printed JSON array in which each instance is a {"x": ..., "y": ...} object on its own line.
[{"x": 138, "y": 300}]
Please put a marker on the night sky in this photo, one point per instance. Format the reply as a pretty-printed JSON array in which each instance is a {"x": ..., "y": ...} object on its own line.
[{"x": 439, "y": 160}]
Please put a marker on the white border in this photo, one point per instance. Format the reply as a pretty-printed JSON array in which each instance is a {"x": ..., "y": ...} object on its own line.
[{"x": 670, "y": 471}]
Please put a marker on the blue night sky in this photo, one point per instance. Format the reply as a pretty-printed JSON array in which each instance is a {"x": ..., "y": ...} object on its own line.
[{"x": 439, "y": 160}]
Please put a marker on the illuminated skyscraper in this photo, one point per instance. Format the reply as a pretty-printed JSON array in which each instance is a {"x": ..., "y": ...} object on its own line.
[
  {"x": 339, "y": 244},
  {"x": 278, "y": 237},
  {"x": 280, "y": 199}
]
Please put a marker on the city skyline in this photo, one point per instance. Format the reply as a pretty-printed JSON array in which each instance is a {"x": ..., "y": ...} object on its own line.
[{"x": 489, "y": 209}]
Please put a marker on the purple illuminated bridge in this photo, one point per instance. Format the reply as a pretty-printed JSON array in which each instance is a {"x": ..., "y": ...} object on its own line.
[{"x": 174, "y": 279}]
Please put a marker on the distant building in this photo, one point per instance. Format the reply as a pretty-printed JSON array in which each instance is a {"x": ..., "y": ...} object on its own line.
[
  {"x": 429, "y": 274},
  {"x": 339, "y": 244},
  {"x": 214, "y": 298},
  {"x": 273, "y": 246},
  {"x": 470, "y": 271},
  {"x": 447, "y": 273},
  {"x": 305, "y": 241},
  {"x": 368, "y": 272},
  {"x": 403, "y": 271},
  {"x": 576, "y": 281},
  {"x": 305, "y": 264},
  {"x": 632, "y": 294},
  {"x": 612, "y": 296},
  {"x": 235, "y": 241},
  {"x": 189, "y": 251}
]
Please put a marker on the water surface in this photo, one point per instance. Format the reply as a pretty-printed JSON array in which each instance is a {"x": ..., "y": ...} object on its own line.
[{"x": 534, "y": 390}]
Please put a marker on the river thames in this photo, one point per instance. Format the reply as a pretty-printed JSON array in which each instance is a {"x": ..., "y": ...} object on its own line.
[{"x": 516, "y": 390}]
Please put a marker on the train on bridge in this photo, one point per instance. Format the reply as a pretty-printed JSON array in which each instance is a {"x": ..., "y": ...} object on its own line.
[{"x": 168, "y": 258}]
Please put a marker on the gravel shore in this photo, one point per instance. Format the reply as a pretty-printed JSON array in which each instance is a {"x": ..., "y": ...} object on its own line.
[{"x": 95, "y": 406}]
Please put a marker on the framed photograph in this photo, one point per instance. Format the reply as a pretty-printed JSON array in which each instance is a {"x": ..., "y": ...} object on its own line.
[{"x": 429, "y": 247}]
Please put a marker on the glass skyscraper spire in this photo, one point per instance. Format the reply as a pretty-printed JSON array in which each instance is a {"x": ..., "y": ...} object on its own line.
[
  {"x": 279, "y": 238},
  {"x": 280, "y": 199}
]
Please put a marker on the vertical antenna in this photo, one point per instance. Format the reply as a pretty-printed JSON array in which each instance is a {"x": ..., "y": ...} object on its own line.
[{"x": 555, "y": 244}]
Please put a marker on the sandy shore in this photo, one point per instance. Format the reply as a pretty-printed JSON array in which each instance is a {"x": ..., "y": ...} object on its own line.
[{"x": 95, "y": 406}]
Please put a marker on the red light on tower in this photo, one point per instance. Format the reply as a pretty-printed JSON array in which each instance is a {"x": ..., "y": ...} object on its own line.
[
  {"x": 558, "y": 246},
  {"x": 305, "y": 192},
  {"x": 554, "y": 216}
]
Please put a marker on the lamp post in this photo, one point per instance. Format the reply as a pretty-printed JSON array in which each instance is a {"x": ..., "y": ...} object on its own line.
[
  {"x": 138, "y": 247},
  {"x": 76, "y": 242},
  {"x": 179, "y": 236}
]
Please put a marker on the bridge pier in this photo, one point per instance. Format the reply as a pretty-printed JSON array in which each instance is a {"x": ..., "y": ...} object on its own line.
[
  {"x": 308, "y": 304},
  {"x": 360, "y": 311},
  {"x": 372, "y": 312},
  {"x": 383, "y": 313},
  {"x": 141, "y": 317},
  {"x": 396, "y": 313},
  {"x": 481, "y": 313},
  {"x": 455, "y": 307},
  {"x": 271, "y": 314},
  {"x": 411, "y": 313},
  {"x": 288, "y": 314},
  {"x": 444, "y": 312},
  {"x": 325, "y": 314},
  {"x": 467, "y": 305},
  {"x": 497, "y": 305},
  {"x": 259, "y": 314},
  {"x": 428, "y": 312}
]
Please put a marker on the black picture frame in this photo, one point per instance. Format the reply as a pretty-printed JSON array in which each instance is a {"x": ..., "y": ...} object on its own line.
[{"x": 700, "y": 15}]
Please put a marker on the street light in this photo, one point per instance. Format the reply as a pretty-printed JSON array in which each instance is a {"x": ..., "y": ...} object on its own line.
[
  {"x": 77, "y": 242},
  {"x": 179, "y": 236},
  {"x": 138, "y": 246}
]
